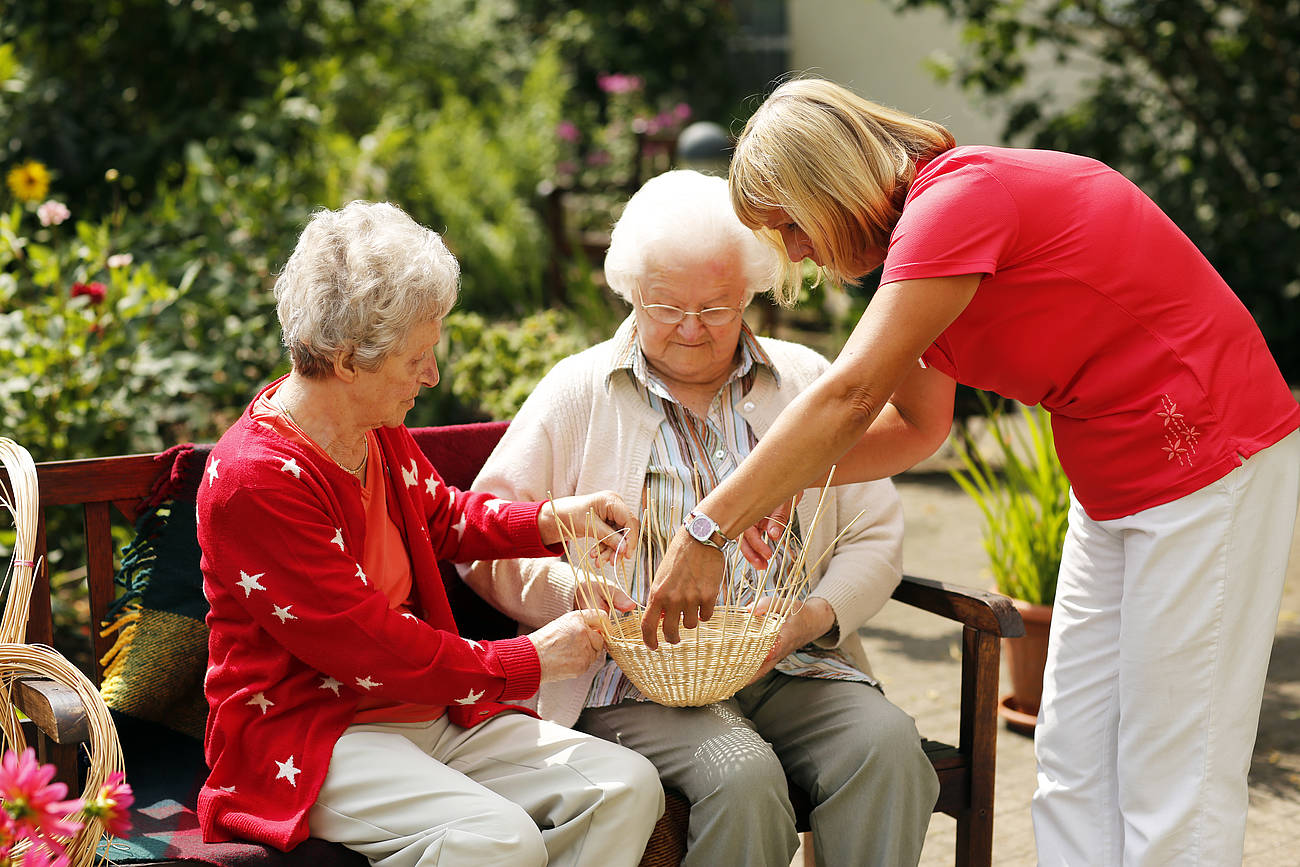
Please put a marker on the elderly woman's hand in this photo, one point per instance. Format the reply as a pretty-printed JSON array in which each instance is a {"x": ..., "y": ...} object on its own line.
[
  {"x": 568, "y": 645},
  {"x": 602, "y": 516},
  {"x": 806, "y": 622}
]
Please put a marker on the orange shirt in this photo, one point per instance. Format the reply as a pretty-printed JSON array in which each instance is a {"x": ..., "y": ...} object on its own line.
[{"x": 386, "y": 564}]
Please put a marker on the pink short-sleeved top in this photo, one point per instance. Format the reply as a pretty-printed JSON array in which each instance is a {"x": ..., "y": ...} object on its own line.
[{"x": 1097, "y": 306}]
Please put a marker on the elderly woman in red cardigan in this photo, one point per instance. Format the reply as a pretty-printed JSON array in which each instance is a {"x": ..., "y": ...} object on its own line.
[{"x": 343, "y": 703}]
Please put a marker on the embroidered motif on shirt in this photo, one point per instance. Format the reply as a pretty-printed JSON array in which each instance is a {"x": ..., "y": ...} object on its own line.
[{"x": 1180, "y": 436}]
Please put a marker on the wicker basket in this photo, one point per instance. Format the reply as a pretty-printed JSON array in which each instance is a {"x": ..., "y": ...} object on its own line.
[
  {"x": 711, "y": 663},
  {"x": 714, "y": 660}
]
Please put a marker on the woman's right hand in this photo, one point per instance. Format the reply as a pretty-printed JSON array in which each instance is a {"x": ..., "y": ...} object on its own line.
[{"x": 568, "y": 645}]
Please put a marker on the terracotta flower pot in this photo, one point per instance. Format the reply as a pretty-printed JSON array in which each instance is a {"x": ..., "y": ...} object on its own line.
[{"x": 1026, "y": 657}]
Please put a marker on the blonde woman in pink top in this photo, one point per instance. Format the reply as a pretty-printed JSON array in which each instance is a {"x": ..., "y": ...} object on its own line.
[{"x": 1050, "y": 279}]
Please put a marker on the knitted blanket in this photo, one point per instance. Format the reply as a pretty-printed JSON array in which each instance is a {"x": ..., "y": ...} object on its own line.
[{"x": 153, "y": 677}]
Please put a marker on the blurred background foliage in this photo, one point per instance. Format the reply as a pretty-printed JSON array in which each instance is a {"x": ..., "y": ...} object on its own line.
[
  {"x": 197, "y": 136},
  {"x": 200, "y": 135}
]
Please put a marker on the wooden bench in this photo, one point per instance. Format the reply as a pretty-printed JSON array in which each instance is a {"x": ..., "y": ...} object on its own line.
[{"x": 111, "y": 489}]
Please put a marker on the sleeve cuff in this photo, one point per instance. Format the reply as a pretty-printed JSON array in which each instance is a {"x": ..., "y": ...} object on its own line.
[
  {"x": 521, "y": 523},
  {"x": 523, "y": 668}
]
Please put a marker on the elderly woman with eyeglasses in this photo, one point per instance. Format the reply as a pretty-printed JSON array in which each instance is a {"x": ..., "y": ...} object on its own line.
[
  {"x": 663, "y": 411},
  {"x": 344, "y": 703}
]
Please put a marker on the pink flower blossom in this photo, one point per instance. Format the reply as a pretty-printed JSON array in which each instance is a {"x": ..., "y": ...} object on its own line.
[
  {"x": 112, "y": 805},
  {"x": 567, "y": 131},
  {"x": 618, "y": 83},
  {"x": 95, "y": 291},
  {"x": 120, "y": 260},
  {"x": 45, "y": 853},
  {"x": 35, "y": 805},
  {"x": 682, "y": 112},
  {"x": 52, "y": 213}
]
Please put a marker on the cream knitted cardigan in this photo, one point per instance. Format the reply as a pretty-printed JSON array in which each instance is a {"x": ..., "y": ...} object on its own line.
[{"x": 583, "y": 430}]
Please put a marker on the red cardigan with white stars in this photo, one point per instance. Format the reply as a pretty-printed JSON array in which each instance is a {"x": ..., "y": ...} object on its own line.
[{"x": 297, "y": 633}]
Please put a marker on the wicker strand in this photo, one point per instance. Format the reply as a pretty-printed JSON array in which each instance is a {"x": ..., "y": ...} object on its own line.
[
  {"x": 19, "y": 660},
  {"x": 717, "y": 657},
  {"x": 20, "y": 499}
]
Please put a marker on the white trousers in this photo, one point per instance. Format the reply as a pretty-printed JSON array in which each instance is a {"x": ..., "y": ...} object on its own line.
[
  {"x": 513, "y": 791},
  {"x": 1161, "y": 634}
]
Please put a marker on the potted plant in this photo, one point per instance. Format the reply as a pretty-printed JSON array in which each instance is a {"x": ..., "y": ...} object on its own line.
[{"x": 1019, "y": 486}]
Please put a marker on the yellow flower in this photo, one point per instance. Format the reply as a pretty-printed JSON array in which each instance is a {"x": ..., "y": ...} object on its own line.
[{"x": 29, "y": 181}]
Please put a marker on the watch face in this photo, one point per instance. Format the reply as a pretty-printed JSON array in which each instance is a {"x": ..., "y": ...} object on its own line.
[{"x": 701, "y": 527}]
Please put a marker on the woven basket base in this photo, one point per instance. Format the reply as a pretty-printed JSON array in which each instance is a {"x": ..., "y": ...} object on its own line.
[{"x": 711, "y": 663}]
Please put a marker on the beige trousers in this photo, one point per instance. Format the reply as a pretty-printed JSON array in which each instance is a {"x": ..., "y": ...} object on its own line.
[{"x": 514, "y": 791}]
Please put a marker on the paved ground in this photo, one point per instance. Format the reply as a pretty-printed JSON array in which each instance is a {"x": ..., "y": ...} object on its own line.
[{"x": 916, "y": 656}]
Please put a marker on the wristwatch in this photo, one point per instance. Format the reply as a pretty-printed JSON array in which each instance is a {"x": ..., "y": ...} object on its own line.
[{"x": 705, "y": 530}]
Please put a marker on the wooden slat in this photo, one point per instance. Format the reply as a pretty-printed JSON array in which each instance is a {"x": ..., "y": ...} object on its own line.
[
  {"x": 989, "y": 612},
  {"x": 127, "y": 477},
  {"x": 954, "y": 782},
  {"x": 99, "y": 577},
  {"x": 980, "y": 660},
  {"x": 40, "y": 622}
]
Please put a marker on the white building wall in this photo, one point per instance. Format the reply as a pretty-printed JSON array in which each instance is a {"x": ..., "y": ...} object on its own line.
[{"x": 880, "y": 54}]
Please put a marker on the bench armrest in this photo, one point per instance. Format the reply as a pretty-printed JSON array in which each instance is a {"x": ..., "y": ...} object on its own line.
[
  {"x": 978, "y": 609},
  {"x": 54, "y": 709}
]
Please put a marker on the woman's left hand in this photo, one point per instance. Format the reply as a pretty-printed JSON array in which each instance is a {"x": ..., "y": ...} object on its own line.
[
  {"x": 602, "y": 516},
  {"x": 807, "y": 622}
]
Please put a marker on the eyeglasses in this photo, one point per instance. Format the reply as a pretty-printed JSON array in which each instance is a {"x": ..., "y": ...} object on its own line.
[{"x": 667, "y": 314}]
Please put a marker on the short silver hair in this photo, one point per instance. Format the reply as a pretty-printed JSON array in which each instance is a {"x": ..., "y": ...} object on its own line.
[
  {"x": 358, "y": 281},
  {"x": 685, "y": 210}
]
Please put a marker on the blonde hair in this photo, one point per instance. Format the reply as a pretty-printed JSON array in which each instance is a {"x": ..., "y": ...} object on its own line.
[
  {"x": 678, "y": 212},
  {"x": 358, "y": 281},
  {"x": 838, "y": 164}
]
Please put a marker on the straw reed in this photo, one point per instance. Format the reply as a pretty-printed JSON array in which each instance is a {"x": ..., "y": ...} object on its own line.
[
  {"x": 19, "y": 660},
  {"x": 717, "y": 658}
]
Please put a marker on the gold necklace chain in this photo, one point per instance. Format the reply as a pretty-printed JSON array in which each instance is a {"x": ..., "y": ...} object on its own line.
[{"x": 293, "y": 421}]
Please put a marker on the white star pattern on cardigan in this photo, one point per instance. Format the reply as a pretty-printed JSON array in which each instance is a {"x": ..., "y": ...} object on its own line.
[
  {"x": 261, "y": 701},
  {"x": 431, "y": 485},
  {"x": 283, "y": 613},
  {"x": 473, "y": 697},
  {"x": 212, "y": 471},
  {"x": 367, "y": 683},
  {"x": 330, "y": 684},
  {"x": 362, "y": 575},
  {"x": 412, "y": 475},
  {"x": 472, "y": 643},
  {"x": 291, "y": 466},
  {"x": 250, "y": 582},
  {"x": 288, "y": 771},
  {"x": 459, "y": 527},
  {"x": 494, "y": 505},
  {"x": 230, "y": 790},
  {"x": 338, "y": 537}
]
